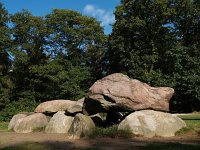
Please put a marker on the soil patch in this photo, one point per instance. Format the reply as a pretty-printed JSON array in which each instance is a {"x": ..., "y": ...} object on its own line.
[{"x": 43, "y": 141}]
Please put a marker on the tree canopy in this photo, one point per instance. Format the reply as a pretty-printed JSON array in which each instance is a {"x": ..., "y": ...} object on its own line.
[{"x": 157, "y": 41}]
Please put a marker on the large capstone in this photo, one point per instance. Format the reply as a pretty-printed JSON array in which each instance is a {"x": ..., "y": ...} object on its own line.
[
  {"x": 54, "y": 106},
  {"x": 117, "y": 92}
]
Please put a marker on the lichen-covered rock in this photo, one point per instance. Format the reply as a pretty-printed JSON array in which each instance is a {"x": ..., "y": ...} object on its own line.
[
  {"x": 54, "y": 106},
  {"x": 59, "y": 123},
  {"x": 117, "y": 92},
  {"x": 74, "y": 109},
  {"x": 15, "y": 120},
  {"x": 82, "y": 126},
  {"x": 30, "y": 123},
  {"x": 150, "y": 123}
]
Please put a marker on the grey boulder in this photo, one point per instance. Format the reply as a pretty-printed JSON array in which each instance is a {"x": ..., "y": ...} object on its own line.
[
  {"x": 30, "y": 123},
  {"x": 82, "y": 126},
  {"x": 150, "y": 123},
  {"x": 15, "y": 120},
  {"x": 59, "y": 123}
]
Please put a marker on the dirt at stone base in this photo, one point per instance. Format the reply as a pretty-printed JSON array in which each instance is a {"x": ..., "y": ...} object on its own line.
[{"x": 61, "y": 142}]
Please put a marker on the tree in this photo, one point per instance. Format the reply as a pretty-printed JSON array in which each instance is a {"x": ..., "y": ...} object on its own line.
[
  {"x": 54, "y": 55},
  {"x": 157, "y": 41},
  {"x": 5, "y": 64},
  {"x": 29, "y": 49},
  {"x": 59, "y": 79},
  {"x": 79, "y": 39}
]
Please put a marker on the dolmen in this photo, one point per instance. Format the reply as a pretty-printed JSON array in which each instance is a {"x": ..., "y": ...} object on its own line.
[{"x": 130, "y": 103}]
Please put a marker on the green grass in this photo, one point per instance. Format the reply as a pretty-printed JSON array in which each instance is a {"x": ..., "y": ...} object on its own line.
[
  {"x": 193, "y": 124},
  {"x": 190, "y": 117},
  {"x": 111, "y": 131},
  {"x": 4, "y": 126}
]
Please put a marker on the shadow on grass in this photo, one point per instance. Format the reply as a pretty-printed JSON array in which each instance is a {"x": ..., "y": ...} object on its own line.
[
  {"x": 170, "y": 146},
  {"x": 101, "y": 146}
]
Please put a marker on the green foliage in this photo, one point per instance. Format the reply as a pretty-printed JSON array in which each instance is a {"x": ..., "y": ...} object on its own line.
[
  {"x": 26, "y": 104},
  {"x": 158, "y": 43},
  {"x": 111, "y": 131},
  {"x": 59, "y": 80}
]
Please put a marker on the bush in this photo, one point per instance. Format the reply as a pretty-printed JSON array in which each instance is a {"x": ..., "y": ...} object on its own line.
[
  {"x": 15, "y": 107},
  {"x": 111, "y": 131}
]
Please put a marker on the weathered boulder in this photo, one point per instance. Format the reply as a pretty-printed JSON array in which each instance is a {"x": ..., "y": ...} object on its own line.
[
  {"x": 31, "y": 123},
  {"x": 117, "y": 92},
  {"x": 81, "y": 127},
  {"x": 54, "y": 106},
  {"x": 15, "y": 120},
  {"x": 59, "y": 123},
  {"x": 150, "y": 123}
]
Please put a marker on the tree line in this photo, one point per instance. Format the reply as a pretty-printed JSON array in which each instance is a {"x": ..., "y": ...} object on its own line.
[{"x": 60, "y": 55}]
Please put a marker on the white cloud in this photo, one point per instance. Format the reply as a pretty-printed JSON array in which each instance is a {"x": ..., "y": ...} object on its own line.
[{"x": 106, "y": 17}]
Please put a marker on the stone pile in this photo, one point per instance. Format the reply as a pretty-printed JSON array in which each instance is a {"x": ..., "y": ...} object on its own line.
[{"x": 146, "y": 108}]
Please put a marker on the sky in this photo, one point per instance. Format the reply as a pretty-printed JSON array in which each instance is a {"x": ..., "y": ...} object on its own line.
[{"x": 102, "y": 10}]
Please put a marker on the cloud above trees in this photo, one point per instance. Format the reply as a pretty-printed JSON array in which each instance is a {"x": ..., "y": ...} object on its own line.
[{"x": 105, "y": 17}]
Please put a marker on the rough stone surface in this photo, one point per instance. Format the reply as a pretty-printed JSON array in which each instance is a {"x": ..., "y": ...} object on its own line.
[
  {"x": 150, "y": 123},
  {"x": 81, "y": 127},
  {"x": 59, "y": 123},
  {"x": 14, "y": 120},
  {"x": 54, "y": 106},
  {"x": 30, "y": 123},
  {"x": 117, "y": 92}
]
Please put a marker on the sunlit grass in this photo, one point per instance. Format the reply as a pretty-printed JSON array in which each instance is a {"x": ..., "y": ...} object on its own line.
[{"x": 193, "y": 124}]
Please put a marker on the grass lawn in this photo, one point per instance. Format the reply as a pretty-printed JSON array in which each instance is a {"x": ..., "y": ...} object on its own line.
[
  {"x": 4, "y": 126},
  {"x": 193, "y": 123}
]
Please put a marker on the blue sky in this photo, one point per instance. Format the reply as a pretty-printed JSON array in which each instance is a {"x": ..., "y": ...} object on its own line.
[{"x": 100, "y": 9}]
